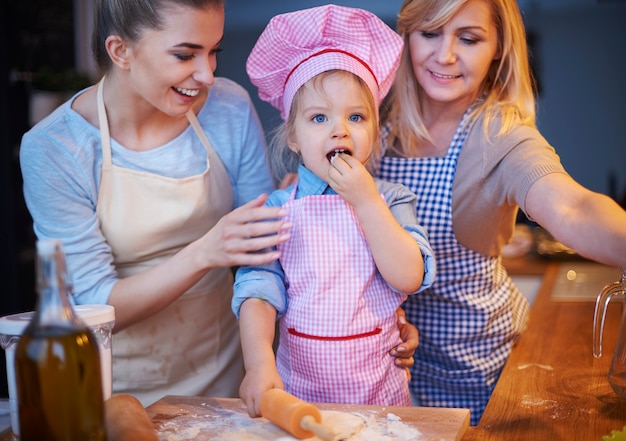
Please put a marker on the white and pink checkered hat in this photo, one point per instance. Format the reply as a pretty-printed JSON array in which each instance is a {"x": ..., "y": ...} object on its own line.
[{"x": 296, "y": 46}]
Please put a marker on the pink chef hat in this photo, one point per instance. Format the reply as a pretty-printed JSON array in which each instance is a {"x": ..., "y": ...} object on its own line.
[{"x": 296, "y": 46}]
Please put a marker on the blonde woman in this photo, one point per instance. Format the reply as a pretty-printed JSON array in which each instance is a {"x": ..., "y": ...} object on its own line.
[{"x": 460, "y": 132}]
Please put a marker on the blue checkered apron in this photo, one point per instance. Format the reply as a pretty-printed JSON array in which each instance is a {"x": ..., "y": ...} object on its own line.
[{"x": 473, "y": 314}]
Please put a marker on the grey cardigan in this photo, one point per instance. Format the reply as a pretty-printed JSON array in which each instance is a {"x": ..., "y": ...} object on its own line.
[{"x": 493, "y": 176}]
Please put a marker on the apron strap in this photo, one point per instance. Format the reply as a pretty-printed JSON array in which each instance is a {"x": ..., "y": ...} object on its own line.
[
  {"x": 105, "y": 137},
  {"x": 193, "y": 120}
]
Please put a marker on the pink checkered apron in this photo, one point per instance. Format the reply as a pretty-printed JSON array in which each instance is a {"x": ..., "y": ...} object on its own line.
[{"x": 340, "y": 322}]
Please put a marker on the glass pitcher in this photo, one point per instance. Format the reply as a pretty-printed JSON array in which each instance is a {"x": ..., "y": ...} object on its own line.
[{"x": 617, "y": 371}]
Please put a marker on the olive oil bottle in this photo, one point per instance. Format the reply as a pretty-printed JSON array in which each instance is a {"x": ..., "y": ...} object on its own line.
[{"x": 57, "y": 363}]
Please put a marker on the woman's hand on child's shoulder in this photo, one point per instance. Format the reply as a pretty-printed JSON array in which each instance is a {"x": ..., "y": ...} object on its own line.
[{"x": 246, "y": 235}]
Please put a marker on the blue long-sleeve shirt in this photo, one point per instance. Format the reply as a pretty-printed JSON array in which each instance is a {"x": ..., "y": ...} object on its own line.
[
  {"x": 267, "y": 282},
  {"x": 61, "y": 160}
]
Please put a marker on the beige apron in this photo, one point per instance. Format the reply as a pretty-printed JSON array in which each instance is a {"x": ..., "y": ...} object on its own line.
[{"x": 192, "y": 346}]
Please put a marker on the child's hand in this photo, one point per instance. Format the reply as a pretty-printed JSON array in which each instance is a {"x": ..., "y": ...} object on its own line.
[
  {"x": 255, "y": 383},
  {"x": 351, "y": 180}
]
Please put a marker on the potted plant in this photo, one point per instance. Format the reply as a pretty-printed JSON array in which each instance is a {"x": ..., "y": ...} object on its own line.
[{"x": 52, "y": 87}]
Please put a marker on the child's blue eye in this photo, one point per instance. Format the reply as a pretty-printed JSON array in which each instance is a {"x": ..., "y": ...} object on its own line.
[
  {"x": 356, "y": 118},
  {"x": 319, "y": 118}
]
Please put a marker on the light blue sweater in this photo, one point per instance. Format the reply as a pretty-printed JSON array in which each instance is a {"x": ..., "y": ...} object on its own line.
[{"x": 61, "y": 160}]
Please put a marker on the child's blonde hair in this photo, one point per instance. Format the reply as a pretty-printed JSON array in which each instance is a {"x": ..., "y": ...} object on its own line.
[
  {"x": 282, "y": 160},
  {"x": 507, "y": 90}
]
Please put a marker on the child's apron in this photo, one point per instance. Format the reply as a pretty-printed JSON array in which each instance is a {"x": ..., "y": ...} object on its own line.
[{"x": 341, "y": 316}]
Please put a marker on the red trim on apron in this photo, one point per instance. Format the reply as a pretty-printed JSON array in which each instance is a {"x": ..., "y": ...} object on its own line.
[{"x": 376, "y": 331}]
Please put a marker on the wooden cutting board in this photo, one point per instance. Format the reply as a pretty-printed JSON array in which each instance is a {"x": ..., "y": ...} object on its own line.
[{"x": 179, "y": 418}]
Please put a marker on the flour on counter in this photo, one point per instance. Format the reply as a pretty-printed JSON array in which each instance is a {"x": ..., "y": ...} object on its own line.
[{"x": 235, "y": 426}]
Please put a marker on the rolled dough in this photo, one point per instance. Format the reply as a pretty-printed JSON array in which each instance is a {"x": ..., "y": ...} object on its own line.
[{"x": 359, "y": 427}]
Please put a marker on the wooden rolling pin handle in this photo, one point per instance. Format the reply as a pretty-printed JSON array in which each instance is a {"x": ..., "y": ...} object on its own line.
[
  {"x": 127, "y": 420},
  {"x": 321, "y": 431}
]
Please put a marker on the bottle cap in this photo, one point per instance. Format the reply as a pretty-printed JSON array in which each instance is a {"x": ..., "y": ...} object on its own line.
[{"x": 91, "y": 315}]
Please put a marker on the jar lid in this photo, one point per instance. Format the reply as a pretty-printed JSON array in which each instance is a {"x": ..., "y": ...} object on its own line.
[{"x": 91, "y": 315}]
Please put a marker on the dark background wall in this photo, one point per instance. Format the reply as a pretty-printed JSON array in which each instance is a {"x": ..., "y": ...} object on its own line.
[
  {"x": 34, "y": 33},
  {"x": 579, "y": 49}
]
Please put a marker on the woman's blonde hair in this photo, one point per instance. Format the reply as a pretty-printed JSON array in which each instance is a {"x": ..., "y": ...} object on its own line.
[
  {"x": 282, "y": 160},
  {"x": 507, "y": 90}
]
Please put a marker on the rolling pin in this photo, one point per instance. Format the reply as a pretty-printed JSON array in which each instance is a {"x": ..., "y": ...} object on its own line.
[
  {"x": 127, "y": 420},
  {"x": 299, "y": 418}
]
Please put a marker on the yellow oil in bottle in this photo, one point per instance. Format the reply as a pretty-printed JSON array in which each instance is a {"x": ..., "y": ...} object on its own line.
[
  {"x": 57, "y": 363},
  {"x": 60, "y": 390}
]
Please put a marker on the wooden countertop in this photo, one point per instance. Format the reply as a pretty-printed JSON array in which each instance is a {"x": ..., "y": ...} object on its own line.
[
  {"x": 552, "y": 388},
  {"x": 528, "y": 265}
]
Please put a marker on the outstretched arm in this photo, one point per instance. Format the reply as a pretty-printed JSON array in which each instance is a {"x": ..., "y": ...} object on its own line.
[{"x": 588, "y": 222}]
